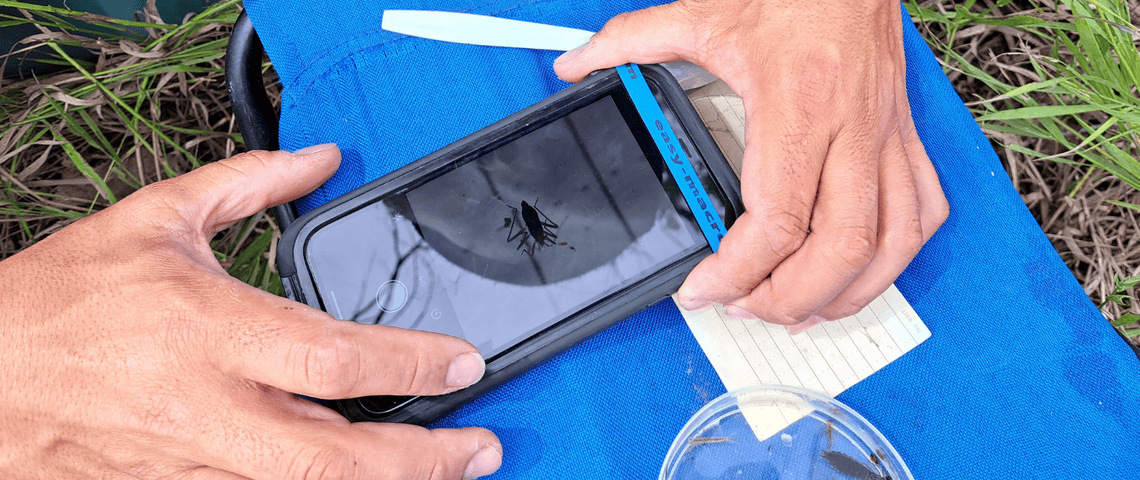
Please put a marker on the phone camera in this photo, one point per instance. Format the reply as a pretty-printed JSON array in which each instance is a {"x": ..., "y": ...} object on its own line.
[{"x": 392, "y": 296}]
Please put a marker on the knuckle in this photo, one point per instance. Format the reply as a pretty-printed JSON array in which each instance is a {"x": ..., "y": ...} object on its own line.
[
  {"x": 853, "y": 247},
  {"x": 907, "y": 237},
  {"x": 235, "y": 169},
  {"x": 736, "y": 287},
  {"x": 786, "y": 230},
  {"x": 332, "y": 364},
  {"x": 414, "y": 373},
  {"x": 324, "y": 463},
  {"x": 612, "y": 29},
  {"x": 236, "y": 162},
  {"x": 716, "y": 35},
  {"x": 154, "y": 192}
]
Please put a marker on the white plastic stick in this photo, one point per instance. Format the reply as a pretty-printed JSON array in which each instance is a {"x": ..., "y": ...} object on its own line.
[
  {"x": 472, "y": 29},
  {"x": 483, "y": 30}
]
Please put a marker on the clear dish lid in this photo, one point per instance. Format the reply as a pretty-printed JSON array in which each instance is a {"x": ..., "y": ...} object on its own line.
[{"x": 780, "y": 432}]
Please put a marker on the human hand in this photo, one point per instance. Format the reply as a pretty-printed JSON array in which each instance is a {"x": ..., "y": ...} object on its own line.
[
  {"x": 839, "y": 192},
  {"x": 130, "y": 353}
]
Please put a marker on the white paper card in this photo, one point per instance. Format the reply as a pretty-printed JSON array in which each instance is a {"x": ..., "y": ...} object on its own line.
[{"x": 828, "y": 358}]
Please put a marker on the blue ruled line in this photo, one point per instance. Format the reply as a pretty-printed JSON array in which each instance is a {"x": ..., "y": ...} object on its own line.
[{"x": 679, "y": 164}]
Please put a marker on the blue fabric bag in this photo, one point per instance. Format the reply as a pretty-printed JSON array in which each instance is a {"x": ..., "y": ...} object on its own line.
[{"x": 1022, "y": 377}]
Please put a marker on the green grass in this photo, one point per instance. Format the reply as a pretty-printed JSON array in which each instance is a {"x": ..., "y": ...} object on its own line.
[
  {"x": 1082, "y": 95},
  {"x": 134, "y": 118},
  {"x": 1086, "y": 99},
  {"x": 1119, "y": 296}
]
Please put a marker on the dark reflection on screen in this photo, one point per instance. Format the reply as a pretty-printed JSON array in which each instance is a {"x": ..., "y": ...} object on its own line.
[{"x": 510, "y": 242}]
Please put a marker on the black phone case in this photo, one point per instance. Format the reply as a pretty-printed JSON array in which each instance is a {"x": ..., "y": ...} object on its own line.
[{"x": 561, "y": 336}]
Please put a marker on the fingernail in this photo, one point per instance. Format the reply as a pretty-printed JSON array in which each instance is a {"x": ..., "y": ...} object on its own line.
[
  {"x": 695, "y": 303},
  {"x": 485, "y": 462},
  {"x": 739, "y": 313},
  {"x": 314, "y": 149},
  {"x": 805, "y": 325},
  {"x": 572, "y": 54},
  {"x": 465, "y": 370}
]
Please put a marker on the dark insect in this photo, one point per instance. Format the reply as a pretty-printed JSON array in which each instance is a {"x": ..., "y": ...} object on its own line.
[
  {"x": 538, "y": 231},
  {"x": 853, "y": 468}
]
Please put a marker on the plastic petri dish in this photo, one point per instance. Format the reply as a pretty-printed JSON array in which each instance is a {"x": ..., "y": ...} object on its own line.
[{"x": 780, "y": 432}]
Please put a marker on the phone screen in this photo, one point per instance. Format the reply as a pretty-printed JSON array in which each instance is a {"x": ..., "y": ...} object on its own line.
[{"x": 509, "y": 242}]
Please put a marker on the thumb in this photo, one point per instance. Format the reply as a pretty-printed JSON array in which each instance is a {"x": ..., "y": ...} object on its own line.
[
  {"x": 235, "y": 188},
  {"x": 653, "y": 35}
]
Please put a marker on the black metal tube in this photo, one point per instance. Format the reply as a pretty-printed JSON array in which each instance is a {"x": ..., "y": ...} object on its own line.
[{"x": 256, "y": 118}]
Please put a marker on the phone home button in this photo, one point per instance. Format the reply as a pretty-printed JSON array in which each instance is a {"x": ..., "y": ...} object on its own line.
[{"x": 391, "y": 296}]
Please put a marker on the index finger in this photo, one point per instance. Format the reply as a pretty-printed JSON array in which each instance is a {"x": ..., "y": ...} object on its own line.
[
  {"x": 302, "y": 350},
  {"x": 654, "y": 35}
]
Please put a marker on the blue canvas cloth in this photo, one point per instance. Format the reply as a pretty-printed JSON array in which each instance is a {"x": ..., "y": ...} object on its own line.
[{"x": 1022, "y": 377}]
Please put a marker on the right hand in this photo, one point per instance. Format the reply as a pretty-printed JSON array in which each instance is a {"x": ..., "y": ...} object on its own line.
[
  {"x": 129, "y": 352},
  {"x": 838, "y": 191}
]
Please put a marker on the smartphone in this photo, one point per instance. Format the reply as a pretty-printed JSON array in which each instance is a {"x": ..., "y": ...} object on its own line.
[{"x": 523, "y": 238}]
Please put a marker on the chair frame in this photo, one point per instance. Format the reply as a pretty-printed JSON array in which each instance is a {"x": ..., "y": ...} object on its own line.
[{"x": 256, "y": 118}]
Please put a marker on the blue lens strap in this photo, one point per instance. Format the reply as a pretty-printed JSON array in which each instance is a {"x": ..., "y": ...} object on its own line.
[{"x": 712, "y": 225}]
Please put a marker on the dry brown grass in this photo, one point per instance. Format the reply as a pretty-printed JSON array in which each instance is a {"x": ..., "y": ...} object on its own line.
[
  {"x": 181, "y": 96},
  {"x": 45, "y": 191}
]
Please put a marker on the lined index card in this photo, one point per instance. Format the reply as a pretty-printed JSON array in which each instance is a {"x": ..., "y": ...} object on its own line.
[{"x": 828, "y": 358}]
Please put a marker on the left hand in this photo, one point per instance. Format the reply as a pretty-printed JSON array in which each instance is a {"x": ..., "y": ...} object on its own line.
[
  {"x": 839, "y": 192},
  {"x": 129, "y": 352}
]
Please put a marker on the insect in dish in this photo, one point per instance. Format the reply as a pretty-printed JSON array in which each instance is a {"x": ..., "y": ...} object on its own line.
[
  {"x": 853, "y": 468},
  {"x": 696, "y": 442}
]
